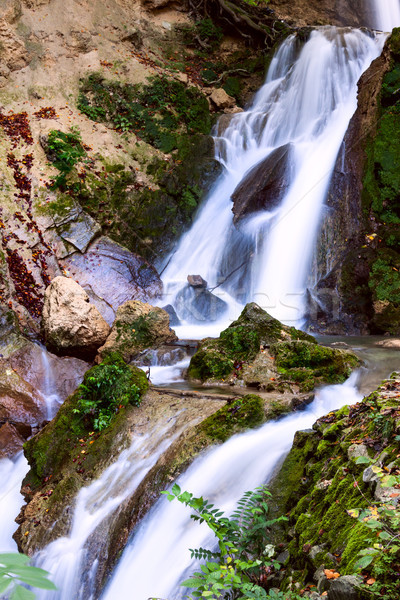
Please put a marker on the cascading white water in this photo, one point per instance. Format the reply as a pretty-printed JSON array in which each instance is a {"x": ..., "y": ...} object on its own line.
[
  {"x": 386, "y": 14},
  {"x": 308, "y": 99},
  {"x": 156, "y": 560},
  {"x": 67, "y": 558},
  {"x": 12, "y": 473},
  {"x": 51, "y": 397}
]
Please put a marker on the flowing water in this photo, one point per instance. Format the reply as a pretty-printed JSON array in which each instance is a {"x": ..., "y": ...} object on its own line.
[
  {"x": 307, "y": 101},
  {"x": 156, "y": 560}
]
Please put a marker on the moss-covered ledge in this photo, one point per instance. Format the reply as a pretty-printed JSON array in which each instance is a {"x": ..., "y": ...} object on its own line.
[
  {"x": 320, "y": 481},
  {"x": 258, "y": 351}
]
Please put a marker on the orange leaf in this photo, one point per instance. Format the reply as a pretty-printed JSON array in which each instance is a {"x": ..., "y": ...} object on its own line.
[
  {"x": 331, "y": 574},
  {"x": 370, "y": 581}
]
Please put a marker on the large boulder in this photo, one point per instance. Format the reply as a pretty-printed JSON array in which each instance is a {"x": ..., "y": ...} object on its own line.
[
  {"x": 197, "y": 304},
  {"x": 264, "y": 186},
  {"x": 259, "y": 351},
  {"x": 137, "y": 326},
  {"x": 72, "y": 326},
  {"x": 112, "y": 275}
]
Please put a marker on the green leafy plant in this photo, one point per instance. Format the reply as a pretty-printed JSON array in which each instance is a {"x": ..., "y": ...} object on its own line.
[
  {"x": 65, "y": 150},
  {"x": 158, "y": 112},
  {"x": 236, "y": 568},
  {"x": 15, "y": 570},
  {"x": 104, "y": 391},
  {"x": 381, "y": 517}
]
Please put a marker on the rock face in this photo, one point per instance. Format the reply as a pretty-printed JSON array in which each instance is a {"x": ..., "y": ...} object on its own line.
[
  {"x": 137, "y": 326},
  {"x": 72, "y": 326},
  {"x": 111, "y": 275},
  {"x": 20, "y": 404},
  {"x": 11, "y": 441},
  {"x": 318, "y": 485},
  {"x": 264, "y": 186},
  {"x": 323, "y": 12},
  {"x": 197, "y": 305}
]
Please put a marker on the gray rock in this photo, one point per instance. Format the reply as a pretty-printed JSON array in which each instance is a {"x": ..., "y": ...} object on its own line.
[
  {"x": 369, "y": 476},
  {"x": 344, "y": 588},
  {"x": 283, "y": 557},
  {"x": 198, "y": 305},
  {"x": 315, "y": 550},
  {"x": 356, "y": 450},
  {"x": 80, "y": 232},
  {"x": 173, "y": 317}
]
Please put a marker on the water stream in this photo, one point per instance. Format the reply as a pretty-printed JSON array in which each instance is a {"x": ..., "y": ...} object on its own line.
[
  {"x": 160, "y": 545},
  {"x": 307, "y": 101}
]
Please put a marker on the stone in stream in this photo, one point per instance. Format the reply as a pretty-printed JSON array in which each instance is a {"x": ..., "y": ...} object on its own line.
[
  {"x": 197, "y": 305},
  {"x": 137, "y": 326},
  {"x": 264, "y": 186},
  {"x": 173, "y": 317},
  {"x": 196, "y": 281},
  {"x": 72, "y": 326}
]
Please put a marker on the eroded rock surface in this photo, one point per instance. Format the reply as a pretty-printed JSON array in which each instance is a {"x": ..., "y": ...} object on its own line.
[{"x": 71, "y": 324}]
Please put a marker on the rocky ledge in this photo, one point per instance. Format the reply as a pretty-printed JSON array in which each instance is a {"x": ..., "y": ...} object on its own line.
[{"x": 258, "y": 351}]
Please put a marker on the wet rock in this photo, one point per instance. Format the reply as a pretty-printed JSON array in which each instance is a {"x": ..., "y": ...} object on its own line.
[
  {"x": 46, "y": 372},
  {"x": 196, "y": 281},
  {"x": 219, "y": 99},
  {"x": 341, "y": 265},
  {"x": 173, "y": 317},
  {"x": 112, "y": 275},
  {"x": 20, "y": 404},
  {"x": 72, "y": 326},
  {"x": 197, "y": 304},
  {"x": 393, "y": 343},
  {"x": 11, "y": 441},
  {"x": 137, "y": 326},
  {"x": 264, "y": 186},
  {"x": 80, "y": 232},
  {"x": 345, "y": 588}
]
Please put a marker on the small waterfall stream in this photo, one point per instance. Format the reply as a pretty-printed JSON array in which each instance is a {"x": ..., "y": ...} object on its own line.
[{"x": 158, "y": 557}]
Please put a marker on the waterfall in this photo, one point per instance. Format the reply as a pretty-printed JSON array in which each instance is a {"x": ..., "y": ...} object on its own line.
[
  {"x": 157, "y": 559},
  {"x": 386, "y": 14},
  {"x": 72, "y": 560},
  {"x": 307, "y": 101},
  {"x": 51, "y": 397}
]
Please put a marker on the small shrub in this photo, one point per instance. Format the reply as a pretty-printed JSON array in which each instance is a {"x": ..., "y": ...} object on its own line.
[
  {"x": 65, "y": 150},
  {"x": 105, "y": 390}
]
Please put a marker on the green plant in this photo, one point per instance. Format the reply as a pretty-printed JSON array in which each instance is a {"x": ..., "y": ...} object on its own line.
[
  {"x": 65, "y": 150},
  {"x": 104, "y": 391},
  {"x": 381, "y": 517},
  {"x": 15, "y": 570},
  {"x": 236, "y": 569}
]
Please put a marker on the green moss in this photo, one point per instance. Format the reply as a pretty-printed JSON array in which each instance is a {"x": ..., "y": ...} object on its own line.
[
  {"x": 210, "y": 363},
  {"x": 234, "y": 417},
  {"x": 56, "y": 444}
]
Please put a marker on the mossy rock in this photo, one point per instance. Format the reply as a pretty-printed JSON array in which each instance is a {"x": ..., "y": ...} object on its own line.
[
  {"x": 298, "y": 357},
  {"x": 53, "y": 447}
]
